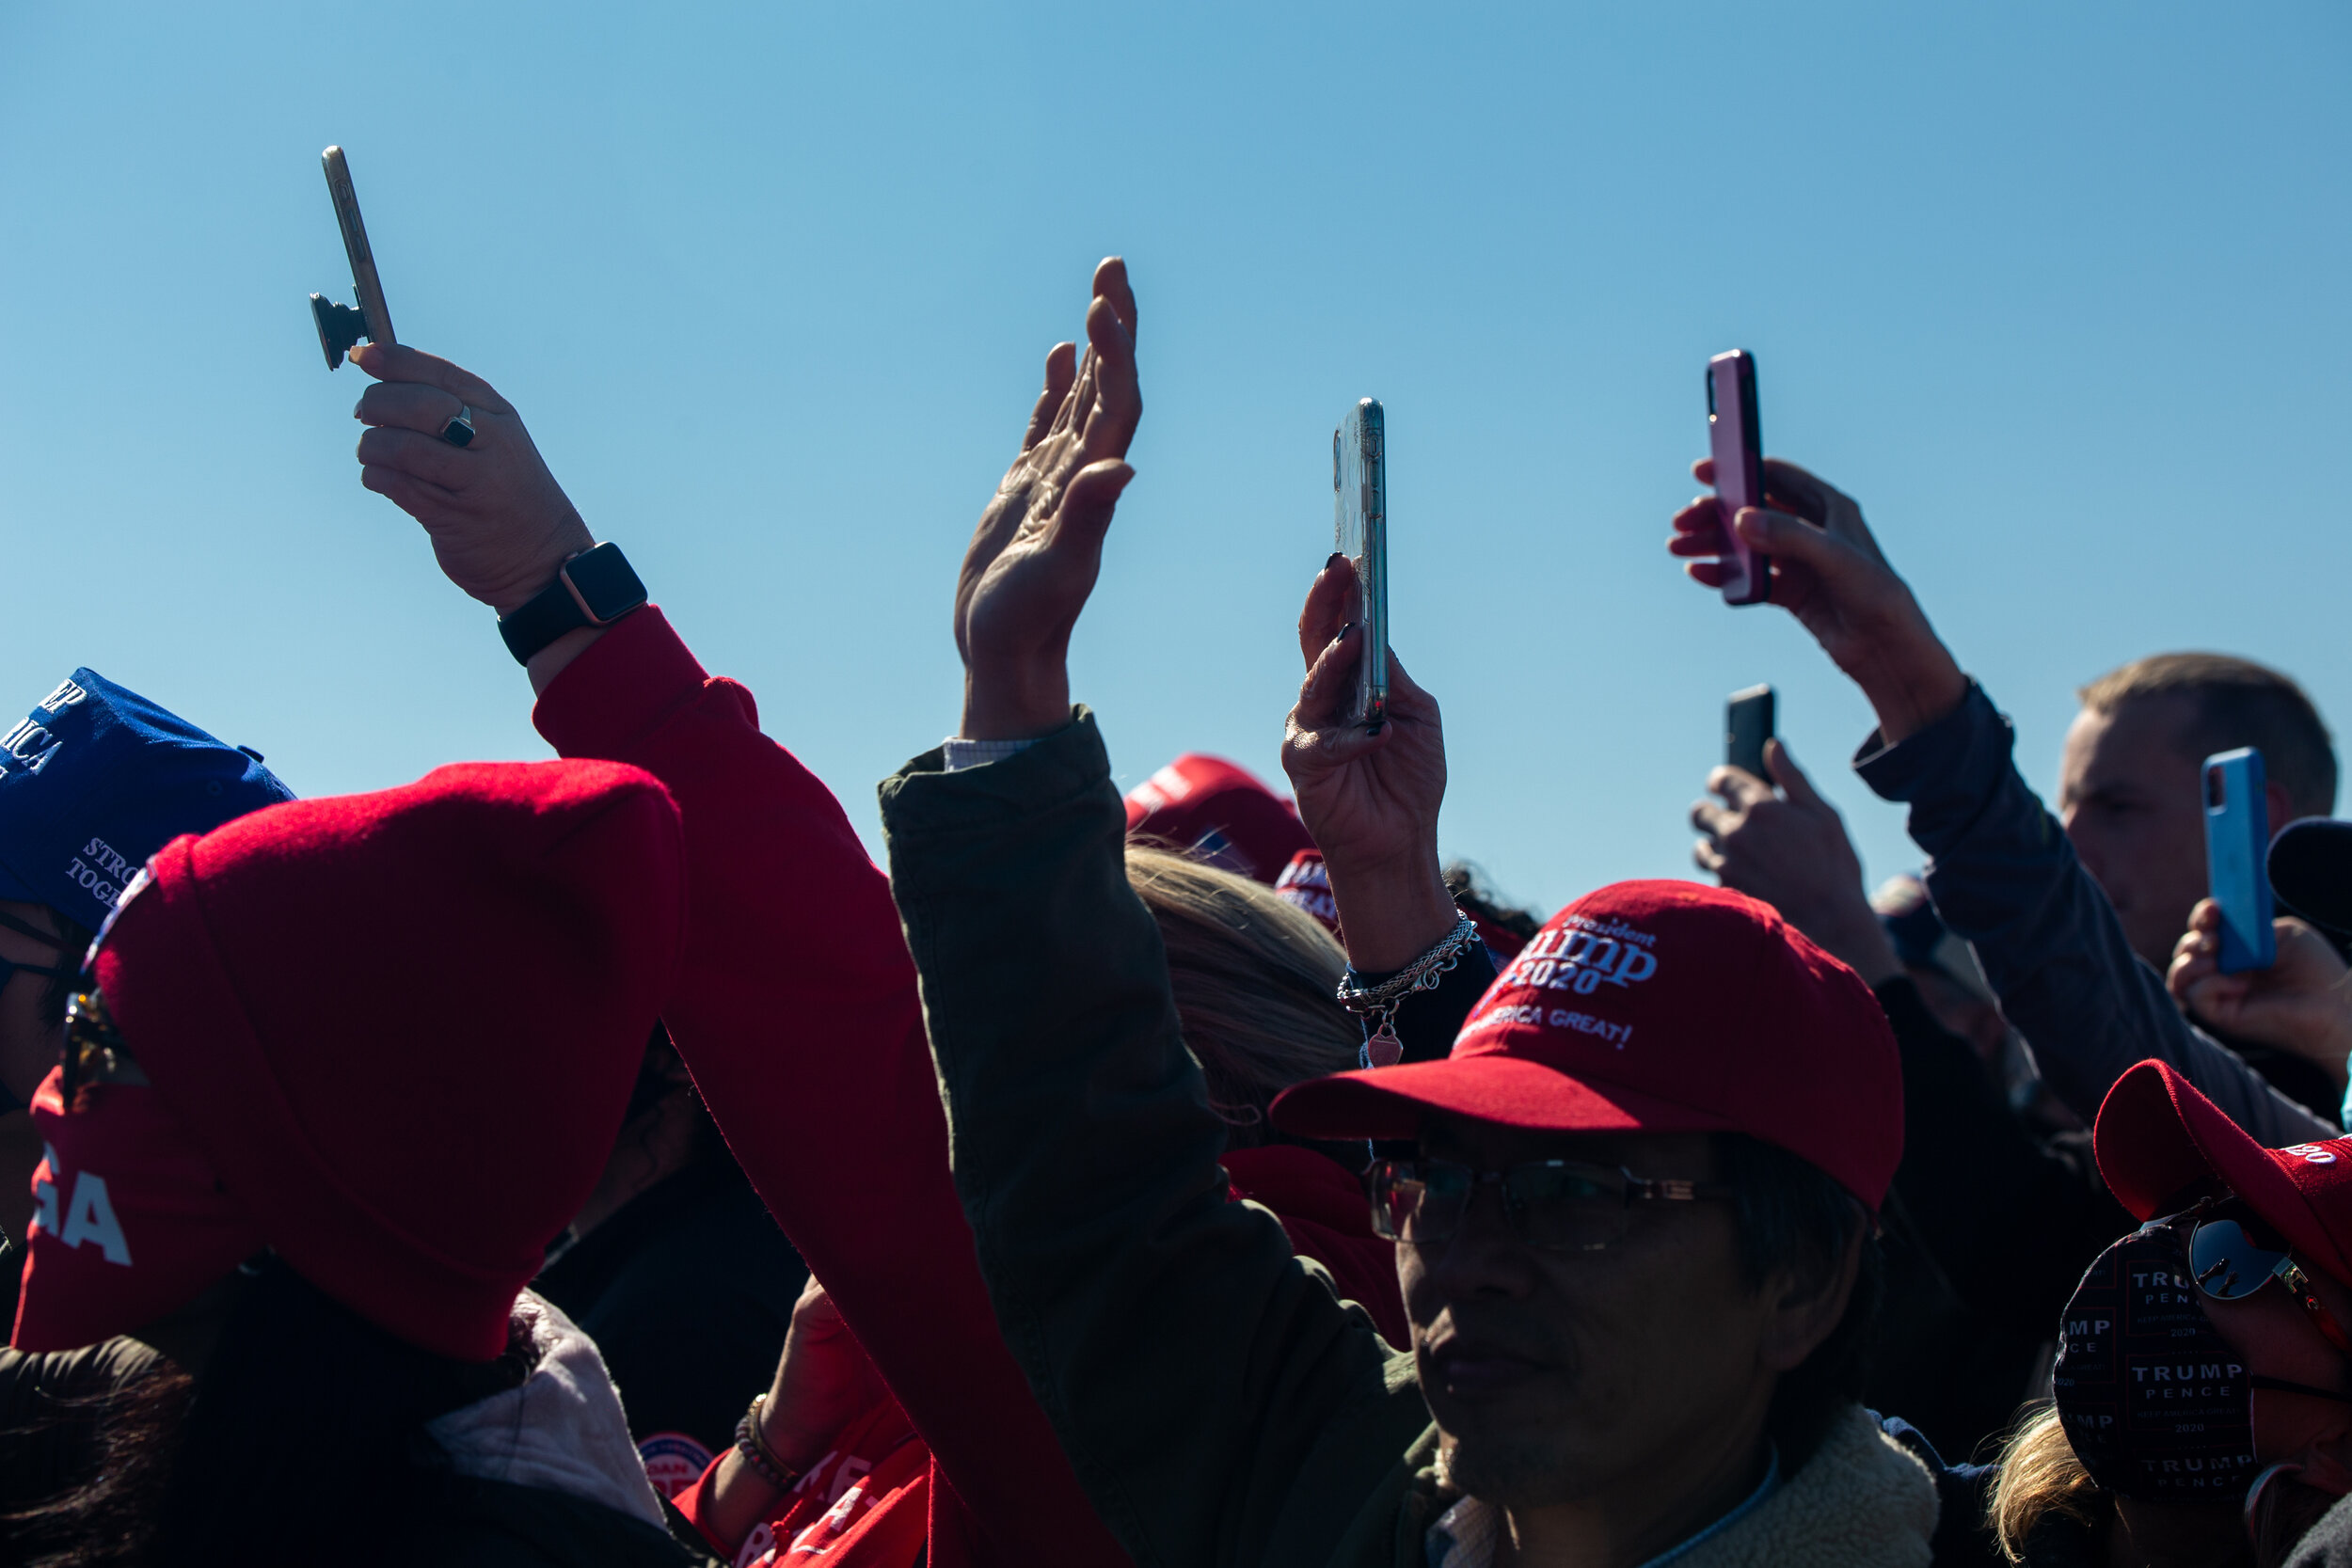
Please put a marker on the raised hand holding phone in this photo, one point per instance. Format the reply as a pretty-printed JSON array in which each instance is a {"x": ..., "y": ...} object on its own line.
[
  {"x": 1789, "y": 848},
  {"x": 2301, "y": 1001},
  {"x": 1369, "y": 797},
  {"x": 1827, "y": 571},
  {"x": 502, "y": 527}
]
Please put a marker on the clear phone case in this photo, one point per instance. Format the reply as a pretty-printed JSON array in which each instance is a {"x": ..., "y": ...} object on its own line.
[{"x": 1360, "y": 532}]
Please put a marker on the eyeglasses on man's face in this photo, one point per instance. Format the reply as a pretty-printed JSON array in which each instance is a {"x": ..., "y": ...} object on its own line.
[{"x": 1557, "y": 1205}]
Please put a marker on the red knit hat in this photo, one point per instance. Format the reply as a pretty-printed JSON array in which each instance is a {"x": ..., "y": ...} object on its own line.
[
  {"x": 1655, "y": 1007},
  {"x": 2158, "y": 1140},
  {"x": 402, "y": 1027},
  {"x": 1207, "y": 807}
]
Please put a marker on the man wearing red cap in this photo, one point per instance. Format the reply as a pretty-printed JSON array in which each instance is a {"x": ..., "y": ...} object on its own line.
[{"x": 1633, "y": 1247}]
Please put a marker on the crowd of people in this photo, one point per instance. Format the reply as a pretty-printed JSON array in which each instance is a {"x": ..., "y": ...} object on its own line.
[{"x": 602, "y": 1161}]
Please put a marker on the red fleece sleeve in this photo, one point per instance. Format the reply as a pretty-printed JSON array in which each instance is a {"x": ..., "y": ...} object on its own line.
[{"x": 798, "y": 1014}]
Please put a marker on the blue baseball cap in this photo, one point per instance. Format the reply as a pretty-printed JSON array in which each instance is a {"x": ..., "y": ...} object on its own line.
[{"x": 95, "y": 778}]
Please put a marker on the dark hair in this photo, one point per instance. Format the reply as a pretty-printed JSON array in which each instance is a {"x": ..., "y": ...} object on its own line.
[
  {"x": 122, "y": 1439},
  {"x": 2237, "y": 703},
  {"x": 1788, "y": 1214},
  {"x": 305, "y": 1425},
  {"x": 661, "y": 1072},
  {"x": 1473, "y": 895},
  {"x": 73, "y": 940}
]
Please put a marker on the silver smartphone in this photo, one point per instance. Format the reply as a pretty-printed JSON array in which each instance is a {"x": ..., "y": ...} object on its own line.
[
  {"x": 1360, "y": 479},
  {"x": 339, "y": 325}
]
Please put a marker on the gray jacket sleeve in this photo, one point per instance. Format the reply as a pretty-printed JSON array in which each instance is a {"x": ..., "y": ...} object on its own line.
[
  {"x": 2005, "y": 879},
  {"x": 1219, "y": 1403}
]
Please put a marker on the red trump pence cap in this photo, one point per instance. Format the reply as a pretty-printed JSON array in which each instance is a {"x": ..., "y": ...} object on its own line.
[
  {"x": 1655, "y": 1007},
  {"x": 1213, "y": 811},
  {"x": 2160, "y": 1143},
  {"x": 402, "y": 1027}
]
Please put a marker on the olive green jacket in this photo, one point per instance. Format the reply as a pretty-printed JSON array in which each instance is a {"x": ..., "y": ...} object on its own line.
[{"x": 1221, "y": 1405}]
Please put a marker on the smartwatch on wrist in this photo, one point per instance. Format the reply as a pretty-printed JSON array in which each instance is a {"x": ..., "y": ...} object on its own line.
[{"x": 594, "y": 587}]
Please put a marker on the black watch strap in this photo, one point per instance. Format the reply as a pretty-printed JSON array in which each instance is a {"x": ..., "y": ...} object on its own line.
[{"x": 594, "y": 587}]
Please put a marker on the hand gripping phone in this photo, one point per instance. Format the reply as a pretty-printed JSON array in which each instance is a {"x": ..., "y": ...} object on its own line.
[
  {"x": 1360, "y": 480},
  {"x": 2237, "y": 843},
  {"x": 1738, "y": 448},
  {"x": 1747, "y": 724},
  {"x": 341, "y": 326}
]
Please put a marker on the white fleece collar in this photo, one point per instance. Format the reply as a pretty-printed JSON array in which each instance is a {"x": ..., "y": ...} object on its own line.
[{"x": 562, "y": 1427}]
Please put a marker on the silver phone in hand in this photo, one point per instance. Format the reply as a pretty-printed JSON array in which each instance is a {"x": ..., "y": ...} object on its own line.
[
  {"x": 1359, "y": 478},
  {"x": 342, "y": 326}
]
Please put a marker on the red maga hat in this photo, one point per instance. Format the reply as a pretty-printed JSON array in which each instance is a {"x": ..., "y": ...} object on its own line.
[
  {"x": 1655, "y": 1007},
  {"x": 397, "y": 1032},
  {"x": 1207, "y": 807},
  {"x": 2158, "y": 1141}
]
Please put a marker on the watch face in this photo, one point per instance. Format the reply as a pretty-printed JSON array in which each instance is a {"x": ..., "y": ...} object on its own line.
[{"x": 604, "y": 581}]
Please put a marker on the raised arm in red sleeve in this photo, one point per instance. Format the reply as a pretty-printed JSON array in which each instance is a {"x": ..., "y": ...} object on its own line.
[{"x": 798, "y": 1014}]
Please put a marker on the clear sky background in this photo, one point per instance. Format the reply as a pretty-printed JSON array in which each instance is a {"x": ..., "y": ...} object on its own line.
[{"x": 2059, "y": 292}]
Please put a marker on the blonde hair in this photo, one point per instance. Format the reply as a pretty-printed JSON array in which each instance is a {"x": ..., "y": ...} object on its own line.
[
  {"x": 1254, "y": 977},
  {"x": 2040, "y": 1476}
]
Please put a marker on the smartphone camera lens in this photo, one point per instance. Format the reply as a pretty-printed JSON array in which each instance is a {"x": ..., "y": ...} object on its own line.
[
  {"x": 2217, "y": 794},
  {"x": 1335, "y": 460},
  {"x": 1710, "y": 392}
]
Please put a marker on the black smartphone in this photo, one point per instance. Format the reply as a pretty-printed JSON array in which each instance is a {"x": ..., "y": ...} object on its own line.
[
  {"x": 341, "y": 326},
  {"x": 1747, "y": 724},
  {"x": 1737, "y": 443}
]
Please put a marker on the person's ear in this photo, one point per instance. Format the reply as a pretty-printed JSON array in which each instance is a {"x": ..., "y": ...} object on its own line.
[
  {"x": 1804, "y": 1308},
  {"x": 2275, "y": 801}
]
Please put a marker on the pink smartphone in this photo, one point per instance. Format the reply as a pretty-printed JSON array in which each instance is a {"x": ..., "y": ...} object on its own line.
[{"x": 1739, "y": 452}]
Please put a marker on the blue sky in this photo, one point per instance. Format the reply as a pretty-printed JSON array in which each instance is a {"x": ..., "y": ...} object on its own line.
[{"x": 2057, "y": 291}]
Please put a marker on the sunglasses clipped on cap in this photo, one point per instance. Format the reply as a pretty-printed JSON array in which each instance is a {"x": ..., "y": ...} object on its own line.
[{"x": 2232, "y": 1255}]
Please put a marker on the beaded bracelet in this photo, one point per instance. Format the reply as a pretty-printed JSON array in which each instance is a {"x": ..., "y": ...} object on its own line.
[
  {"x": 756, "y": 1451},
  {"x": 1382, "y": 1048}
]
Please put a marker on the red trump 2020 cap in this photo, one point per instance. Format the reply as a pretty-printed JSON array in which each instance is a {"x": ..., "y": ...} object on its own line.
[
  {"x": 1655, "y": 1007},
  {"x": 2160, "y": 1142}
]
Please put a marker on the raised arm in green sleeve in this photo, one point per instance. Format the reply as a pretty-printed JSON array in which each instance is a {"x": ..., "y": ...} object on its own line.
[{"x": 1220, "y": 1403}]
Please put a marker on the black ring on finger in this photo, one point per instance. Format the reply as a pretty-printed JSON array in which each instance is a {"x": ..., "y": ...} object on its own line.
[{"x": 459, "y": 431}]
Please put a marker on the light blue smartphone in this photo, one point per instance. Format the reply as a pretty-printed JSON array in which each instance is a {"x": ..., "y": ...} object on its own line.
[
  {"x": 2237, "y": 840},
  {"x": 1359, "y": 480}
]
